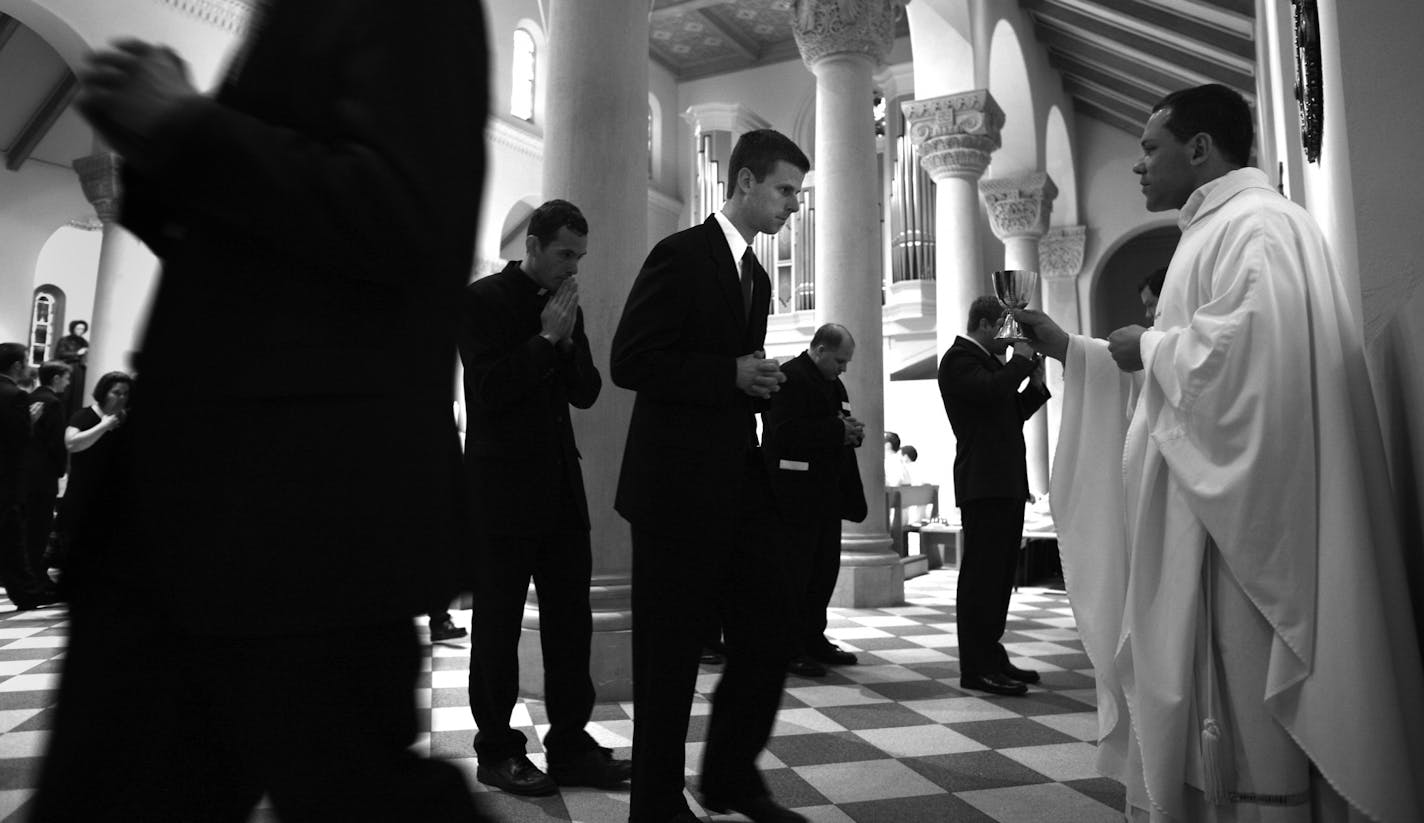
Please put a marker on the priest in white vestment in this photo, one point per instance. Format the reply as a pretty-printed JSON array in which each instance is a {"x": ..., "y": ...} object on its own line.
[{"x": 1223, "y": 510}]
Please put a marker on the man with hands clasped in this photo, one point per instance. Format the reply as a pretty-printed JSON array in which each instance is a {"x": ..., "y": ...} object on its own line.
[
  {"x": 527, "y": 362},
  {"x": 987, "y": 411}
]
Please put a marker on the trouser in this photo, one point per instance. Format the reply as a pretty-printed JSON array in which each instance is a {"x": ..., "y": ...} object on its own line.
[
  {"x": 19, "y": 581},
  {"x": 992, "y": 532},
  {"x": 560, "y": 565},
  {"x": 39, "y": 521},
  {"x": 685, "y": 586},
  {"x": 813, "y": 563},
  {"x": 157, "y": 725}
]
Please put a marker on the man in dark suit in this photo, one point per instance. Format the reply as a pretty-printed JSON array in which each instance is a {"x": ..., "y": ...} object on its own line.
[
  {"x": 987, "y": 411},
  {"x": 16, "y": 417},
  {"x": 46, "y": 460},
  {"x": 694, "y": 488},
  {"x": 526, "y": 362},
  {"x": 243, "y": 618},
  {"x": 809, "y": 438}
]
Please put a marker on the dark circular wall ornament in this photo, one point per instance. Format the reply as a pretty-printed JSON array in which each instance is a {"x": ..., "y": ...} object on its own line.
[{"x": 1307, "y": 77}]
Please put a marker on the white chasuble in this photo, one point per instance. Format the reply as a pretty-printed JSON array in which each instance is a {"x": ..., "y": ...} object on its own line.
[{"x": 1233, "y": 496}]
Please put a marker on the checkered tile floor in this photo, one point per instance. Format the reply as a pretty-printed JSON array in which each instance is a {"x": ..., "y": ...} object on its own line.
[{"x": 892, "y": 740}]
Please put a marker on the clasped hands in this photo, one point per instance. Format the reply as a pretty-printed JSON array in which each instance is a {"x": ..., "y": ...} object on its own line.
[
  {"x": 125, "y": 91},
  {"x": 854, "y": 431},
  {"x": 759, "y": 376},
  {"x": 1048, "y": 338},
  {"x": 556, "y": 320}
]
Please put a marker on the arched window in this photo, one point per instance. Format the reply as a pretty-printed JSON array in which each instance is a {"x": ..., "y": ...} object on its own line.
[
  {"x": 521, "y": 96},
  {"x": 46, "y": 320}
]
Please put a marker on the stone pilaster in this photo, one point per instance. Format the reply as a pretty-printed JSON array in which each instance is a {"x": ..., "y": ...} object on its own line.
[
  {"x": 1060, "y": 262},
  {"x": 126, "y": 275},
  {"x": 843, "y": 42}
]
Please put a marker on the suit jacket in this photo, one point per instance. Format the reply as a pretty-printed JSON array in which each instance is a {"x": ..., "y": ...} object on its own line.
[
  {"x": 693, "y": 432},
  {"x": 45, "y": 456},
  {"x": 987, "y": 412},
  {"x": 316, "y": 222},
  {"x": 813, "y": 473},
  {"x": 520, "y": 455},
  {"x": 14, "y": 434}
]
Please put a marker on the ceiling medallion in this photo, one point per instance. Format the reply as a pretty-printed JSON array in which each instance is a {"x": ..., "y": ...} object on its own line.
[{"x": 1307, "y": 77}]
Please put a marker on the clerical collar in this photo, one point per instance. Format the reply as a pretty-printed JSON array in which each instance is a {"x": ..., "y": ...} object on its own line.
[
  {"x": 735, "y": 242},
  {"x": 530, "y": 283}
]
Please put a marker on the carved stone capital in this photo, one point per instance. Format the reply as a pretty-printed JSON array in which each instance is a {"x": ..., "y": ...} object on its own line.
[
  {"x": 827, "y": 27},
  {"x": 1060, "y": 252},
  {"x": 956, "y": 134},
  {"x": 99, "y": 178},
  {"x": 1019, "y": 206},
  {"x": 730, "y": 117}
]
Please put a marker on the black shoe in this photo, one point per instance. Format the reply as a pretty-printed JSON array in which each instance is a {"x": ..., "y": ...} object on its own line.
[
  {"x": 832, "y": 655},
  {"x": 805, "y": 667},
  {"x": 517, "y": 775},
  {"x": 445, "y": 630},
  {"x": 596, "y": 767},
  {"x": 757, "y": 809},
  {"x": 684, "y": 817},
  {"x": 993, "y": 683},
  {"x": 1013, "y": 672},
  {"x": 711, "y": 657}
]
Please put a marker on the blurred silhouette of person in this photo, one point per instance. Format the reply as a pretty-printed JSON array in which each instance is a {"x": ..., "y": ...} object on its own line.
[
  {"x": 17, "y": 412},
  {"x": 243, "y": 621}
]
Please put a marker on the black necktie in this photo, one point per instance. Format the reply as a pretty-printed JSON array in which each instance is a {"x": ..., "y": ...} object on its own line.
[{"x": 748, "y": 260}]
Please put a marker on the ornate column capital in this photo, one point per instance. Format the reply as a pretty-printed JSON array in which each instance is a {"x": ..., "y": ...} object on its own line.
[
  {"x": 99, "y": 178},
  {"x": 827, "y": 27},
  {"x": 1060, "y": 252},
  {"x": 956, "y": 134},
  {"x": 730, "y": 117},
  {"x": 1019, "y": 206}
]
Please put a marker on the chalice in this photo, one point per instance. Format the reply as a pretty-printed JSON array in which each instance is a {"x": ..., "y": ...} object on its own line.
[{"x": 1014, "y": 288}]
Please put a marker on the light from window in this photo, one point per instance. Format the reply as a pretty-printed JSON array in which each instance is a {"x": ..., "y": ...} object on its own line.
[
  {"x": 43, "y": 320},
  {"x": 521, "y": 96}
]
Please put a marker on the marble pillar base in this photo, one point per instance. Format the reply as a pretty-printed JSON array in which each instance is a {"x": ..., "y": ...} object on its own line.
[
  {"x": 611, "y": 650},
  {"x": 871, "y": 576}
]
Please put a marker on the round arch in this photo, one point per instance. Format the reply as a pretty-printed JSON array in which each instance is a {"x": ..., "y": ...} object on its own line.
[
  {"x": 1011, "y": 88},
  {"x": 59, "y": 33},
  {"x": 1113, "y": 300},
  {"x": 1058, "y": 162}
]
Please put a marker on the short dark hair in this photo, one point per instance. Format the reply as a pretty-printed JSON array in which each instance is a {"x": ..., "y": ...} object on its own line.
[
  {"x": 758, "y": 151},
  {"x": 894, "y": 440},
  {"x": 831, "y": 335},
  {"x": 108, "y": 381},
  {"x": 910, "y": 452},
  {"x": 1214, "y": 110},
  {"x": 51, "y": 369},
  {"x": 73, "y": 323},
  {"x": 1153, "y": 281},
  {"x": 10, "y": 354},
  {"x": 984, "y": 308},
  {"x": 546, "y": 221}
]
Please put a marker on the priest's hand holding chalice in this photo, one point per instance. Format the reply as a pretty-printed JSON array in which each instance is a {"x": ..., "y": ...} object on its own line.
[{"x": 1014, "y": 288}]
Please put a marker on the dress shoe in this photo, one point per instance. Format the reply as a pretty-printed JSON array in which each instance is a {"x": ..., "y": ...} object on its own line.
[
  {"x": 804, "y": 666},
  {"x": 517, "y": 775},
  {"x": 711, "y": 658},
  {"x": 832, "y": 655},
  {"x": 757, "y": 809},
  {"x": 596, "y": 767},
  {"x": 1013, "y": 672},
  {"x": 994, "y": 683},
  {"x": 445, "y": 630}
]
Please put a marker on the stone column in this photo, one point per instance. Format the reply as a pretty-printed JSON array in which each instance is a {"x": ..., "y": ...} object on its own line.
[
  {"x": 956, "y": 135},
  {"x": 843, "y": 43},
  {"x": 598, "y": 76},
  {"x": 1019, "y": 208},
  {"x": 1060, "y": 255},
  {"x": 126, "y": 276}
]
